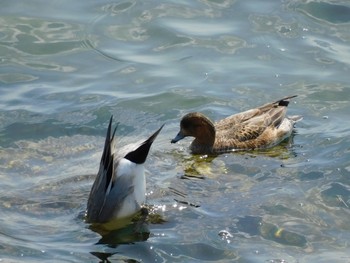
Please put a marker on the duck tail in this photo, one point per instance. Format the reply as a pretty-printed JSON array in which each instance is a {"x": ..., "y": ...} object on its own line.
[
  {"x": 295, "y": 118},
  {"x": 285, "y": 101}
]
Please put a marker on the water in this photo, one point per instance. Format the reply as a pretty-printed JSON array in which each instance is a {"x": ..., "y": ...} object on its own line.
[{"x": 66, "y": 67}]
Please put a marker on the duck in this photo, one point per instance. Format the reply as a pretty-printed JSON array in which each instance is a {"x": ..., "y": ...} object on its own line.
[
  {"x": 119, "y": 189},
  {"x": 257, "y": 128}
]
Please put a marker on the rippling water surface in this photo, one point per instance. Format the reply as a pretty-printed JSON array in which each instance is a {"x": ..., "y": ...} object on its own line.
[{"x": 66, "y": 66}]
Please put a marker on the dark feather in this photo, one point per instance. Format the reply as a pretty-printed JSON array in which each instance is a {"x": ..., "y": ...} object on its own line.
[{"x": 140, "y": 154}]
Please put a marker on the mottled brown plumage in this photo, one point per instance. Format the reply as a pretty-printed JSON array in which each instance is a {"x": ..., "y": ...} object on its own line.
[{"x": 257, "y": 128}]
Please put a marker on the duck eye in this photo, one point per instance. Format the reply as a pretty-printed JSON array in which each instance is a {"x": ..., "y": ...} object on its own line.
[{"x": 186, "y": 125}]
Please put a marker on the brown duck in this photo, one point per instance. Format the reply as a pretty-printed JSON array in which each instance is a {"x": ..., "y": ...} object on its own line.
[{"x": 258, "y": 128}]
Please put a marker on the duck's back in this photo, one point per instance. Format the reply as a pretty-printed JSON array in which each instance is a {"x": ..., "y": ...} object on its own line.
[{"x": 261, "y": 127}]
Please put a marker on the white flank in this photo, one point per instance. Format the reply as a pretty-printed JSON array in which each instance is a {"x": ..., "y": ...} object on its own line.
[{"x": 134, "y": 200}]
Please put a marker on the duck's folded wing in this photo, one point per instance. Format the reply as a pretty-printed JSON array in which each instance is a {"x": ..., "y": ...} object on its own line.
[
  {"x": 113, "y": 201},
  {"x": 245, "y": 132},
  {"x": 97, "y": 195},
  {"x": 252, "y": 128},
  {"x": 103, "y": 178},
  {"x": 236, "y": 119},
  {"x": 275, "y": 110}
]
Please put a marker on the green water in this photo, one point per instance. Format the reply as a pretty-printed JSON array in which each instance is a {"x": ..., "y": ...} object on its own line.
[{"x": 66, "y": 66}]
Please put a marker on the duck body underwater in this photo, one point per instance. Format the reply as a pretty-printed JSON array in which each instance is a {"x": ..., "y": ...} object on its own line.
[{"x": 119, "y": 189}]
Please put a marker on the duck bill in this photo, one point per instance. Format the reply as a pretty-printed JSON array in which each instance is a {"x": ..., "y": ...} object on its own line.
[
  {"x": 178, "y": 137},
  {"x": 139, "y": 155}
]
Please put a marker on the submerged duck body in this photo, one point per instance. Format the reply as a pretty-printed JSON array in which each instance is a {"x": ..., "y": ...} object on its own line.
[
  {"x": 120, "y": 185},
  {"x": 258, "y": 128}
]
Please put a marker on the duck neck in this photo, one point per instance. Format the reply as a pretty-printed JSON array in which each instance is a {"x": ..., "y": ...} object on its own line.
[{"x": 205, "y": 137}]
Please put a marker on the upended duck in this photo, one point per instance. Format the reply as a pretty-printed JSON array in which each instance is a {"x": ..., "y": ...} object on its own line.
[
  {"x": 120, "y": 185},
  {"x": 258, "y": 128}
]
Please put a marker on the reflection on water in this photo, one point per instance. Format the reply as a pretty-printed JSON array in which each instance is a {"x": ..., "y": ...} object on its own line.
[
  {"x": 65, "y": 68},
  {"x": 332, "y": 13},
  {"x": 337, "y": 195},
  {"x": 25, "y": 39},
  {"x": 254, "y": 226},
  {"x": 134, "y": 232}
]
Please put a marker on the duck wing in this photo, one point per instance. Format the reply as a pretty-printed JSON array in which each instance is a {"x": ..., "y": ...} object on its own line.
[
  {"x": 250, "y": 124},
  {"x": 245, "y": 116},
  {"x": 236, "y": 119},
  {"x": 120, "y": 188},
  {"x": 103, "y": 179}
]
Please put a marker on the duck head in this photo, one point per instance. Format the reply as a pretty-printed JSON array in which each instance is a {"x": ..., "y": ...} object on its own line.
[{"x": 196, "y": 125}]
